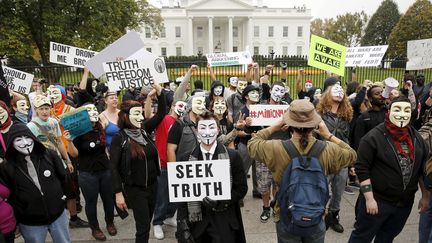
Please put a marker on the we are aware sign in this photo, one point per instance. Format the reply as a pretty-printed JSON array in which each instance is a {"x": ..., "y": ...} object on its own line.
[
  {"x": 266, "y": 115},
  {"x": 365, "y": 56},
  {"x": 193, "y": 180},
  {"x": 17, "y": 80},
  {"x": 327, "y": 55},
  {"x": 419, "y": 53},
  {"x": 69, "y": 55}
]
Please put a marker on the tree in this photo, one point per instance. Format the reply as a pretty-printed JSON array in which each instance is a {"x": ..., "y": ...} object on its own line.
[
  {"x": 381, "y": 24},
  {"x": 28, "y": 26},
  {"x": 415, "y": 24}
]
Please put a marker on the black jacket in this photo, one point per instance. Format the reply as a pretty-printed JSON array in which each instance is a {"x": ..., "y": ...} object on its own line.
[
  {"x": 338, "y": 127},
  {"x": 377, "y": 161},
  {"x": 231, "y": 216},
  {"x": 31, "y": 206}
]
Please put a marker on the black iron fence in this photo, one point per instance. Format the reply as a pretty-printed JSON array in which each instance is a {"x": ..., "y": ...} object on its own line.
[{"x": 178, "y": 66}]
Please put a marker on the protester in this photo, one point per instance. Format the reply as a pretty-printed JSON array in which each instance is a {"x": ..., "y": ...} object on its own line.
[
  {"x": 398, "y": 154},
  {"x": 20, "y": 108},
  {"x": 35, "y": 176},
  {"x": 211, "y": 220},
  {"x": 94, "y": 174},
  {"x": 109, "y": 117},
  {"x": 7, "y": 217},
  {"x": 308, "y": 91},
  {"x": 181, "y": 93},
  {"x": 235, "y": 102},
  {"x": 37, "y": 89},
  {"x": 131, "y": 94},
  {"x": 5, "y": 125},
  {"x": 135, "y": 163},
  {"x": 302, "y": 119}
]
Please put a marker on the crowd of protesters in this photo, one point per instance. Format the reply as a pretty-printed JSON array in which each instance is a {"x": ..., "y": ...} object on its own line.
[{"x": 364, "y": 135}]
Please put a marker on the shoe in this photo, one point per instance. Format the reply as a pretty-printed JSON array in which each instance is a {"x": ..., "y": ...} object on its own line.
[
  {"x": 171, "y": 222},
  {"x": 98, "y": 234},
  {"x": 354, "y": 185},
  {"x": 265, "y": 215},
  {"x": 112, "y": 230},
  {"x": 158, "y": 232},
  {"x": 349, "y": 191},
  {"x": 78, "y": 223},
  {"x": 332, "y": 221},
  {"x": 257, "y": 195}
]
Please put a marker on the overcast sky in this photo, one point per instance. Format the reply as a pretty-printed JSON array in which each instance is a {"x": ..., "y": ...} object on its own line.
[{"x": 329, "y": 8}]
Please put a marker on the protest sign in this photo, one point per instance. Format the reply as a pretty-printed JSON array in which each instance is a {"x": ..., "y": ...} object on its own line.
[
  {"x": 77, "y": 122},
  {"x": 17, "y": 80},
  {"x": 193, "y": 180},
  {"x": 419, "y": 53},
  {"x": 266, "y": 115},
  {"x": 69, "y": 55},
  {"x": 365, "y": 56},
  {"x": 229, "y": 58},
  {"x": 327, "y": 55}
]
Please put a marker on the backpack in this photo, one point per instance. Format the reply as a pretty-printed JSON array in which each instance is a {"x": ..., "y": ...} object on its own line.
[{"x": 304, "y": 192}]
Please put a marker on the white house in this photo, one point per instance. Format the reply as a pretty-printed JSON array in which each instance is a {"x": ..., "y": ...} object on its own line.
[{"x": 206, "y": 26}]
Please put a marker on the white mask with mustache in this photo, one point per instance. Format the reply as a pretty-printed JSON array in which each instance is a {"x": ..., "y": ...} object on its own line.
[
  {"x": 136, "y": 116},
  {"x": 207, "y": 131},
  {"x": 23, "y": 144},
  {"x": 92, "y": 112}
]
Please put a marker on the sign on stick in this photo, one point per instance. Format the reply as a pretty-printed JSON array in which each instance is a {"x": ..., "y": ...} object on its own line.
[
  {"x": 266, "y": 115},
  {"x": 365, "y": 56},
  {"x": 419, "y": 53},
  {"x": 229, "y": 58},
  {"x": 327, "y": 55},
  {"x": 69, "y": 55},
  {"x": 17, "y": 80}
]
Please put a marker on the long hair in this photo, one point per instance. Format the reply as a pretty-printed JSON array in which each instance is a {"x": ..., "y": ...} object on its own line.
[
  {"x": 304, "y": 135},
  {"x": 137, "y": 151},
  {"x": 344, "y": 111}
]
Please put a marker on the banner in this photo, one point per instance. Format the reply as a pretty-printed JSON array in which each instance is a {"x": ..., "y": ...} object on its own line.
[
  {"x": 193, "y": 180},
  {"x": 229, "y": 58},
  {"x": 17, "y": 80},
  {"x": 365, "y": 56},
  {"x": 77, "y": 122},
  {"x": 69, "y": 55},
  {"x": 419, "y": 53},
  {"x": 266, "y": 115},
  {"x": 327, "y": 55}
]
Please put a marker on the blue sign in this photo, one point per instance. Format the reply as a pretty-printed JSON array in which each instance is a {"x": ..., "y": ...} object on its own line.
[{"x": 77, "y": 122}]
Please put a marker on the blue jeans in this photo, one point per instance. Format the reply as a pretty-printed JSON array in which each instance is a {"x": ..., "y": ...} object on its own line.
[
  {"x": 93, "y": 184},
  {"x": 285, "y": 237},
  {"x": 425, "y": 225},
  {"x": 338, "y": 182},
  {"x": 163, "y": 208},
  {"x": 59, "y": 231}
]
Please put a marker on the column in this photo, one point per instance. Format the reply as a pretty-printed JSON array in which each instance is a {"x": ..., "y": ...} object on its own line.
[
  {"x": 210, "y": 35},
  {"x": 190, "y": 37},
  {"x": 249, "y": 34},
  {"x": 230, "y": 34}
]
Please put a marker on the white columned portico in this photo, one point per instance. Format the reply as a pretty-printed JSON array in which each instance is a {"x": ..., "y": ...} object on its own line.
[
  {"x": 230, "y": 34},
  {"x": 190, "y": 36},
  {"x": 249, "y": 34},
  {"x": 210, "y": 35}
]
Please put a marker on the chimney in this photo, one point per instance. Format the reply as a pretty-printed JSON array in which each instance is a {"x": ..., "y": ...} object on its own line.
[{"x": 171, "y": 3}]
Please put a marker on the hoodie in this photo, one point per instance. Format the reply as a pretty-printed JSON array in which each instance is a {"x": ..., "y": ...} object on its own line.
[{"x": 31, "y": 206}]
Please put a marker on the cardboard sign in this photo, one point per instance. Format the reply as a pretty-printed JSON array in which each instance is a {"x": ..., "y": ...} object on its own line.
[
  {"x": 17, "y": 80},
  {"x": 327, "y": 55},
  {"x": 69, "y": 55},
  {"x": 77, "y": 122},
  {"x": 365, "y": 56},
  {"x": 266, "y": 115},
  {"x": 229, "y": 58},
  {"x": 419, "y": 53},
  {"x": 190, "y": 181}
]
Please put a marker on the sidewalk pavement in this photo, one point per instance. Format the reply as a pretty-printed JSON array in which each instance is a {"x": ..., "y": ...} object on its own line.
[{"x": 256, "y": 232}]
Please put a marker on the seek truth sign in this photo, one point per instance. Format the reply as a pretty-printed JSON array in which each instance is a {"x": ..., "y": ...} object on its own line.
[{"x": 327, "y": 55}]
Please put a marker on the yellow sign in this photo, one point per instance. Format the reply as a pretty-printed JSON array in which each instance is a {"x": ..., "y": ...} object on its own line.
[{"x": 327, "y": 55}]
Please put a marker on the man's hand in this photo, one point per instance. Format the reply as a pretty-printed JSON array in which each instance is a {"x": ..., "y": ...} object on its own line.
[
  {"x": 248, "y": 121},
  {"x": 423, "y": 204},
  {"x": 241, "y": 123},
  {"x": 70, "y": 167},
  {"x": 183, "y": 233},
  {"x": 156, "y": 86},
  {"x": 371, "y": 206},
  {"x": 408, "y": 85},
  {"x": 120, "y": 201},
  {"x": 301, "y": 72},
  {"x": 283, "y": 65},
  {"x": 67, "y": 136},
  {"x": 193, "y": 67},
  {"x": 322, "y": 130}
]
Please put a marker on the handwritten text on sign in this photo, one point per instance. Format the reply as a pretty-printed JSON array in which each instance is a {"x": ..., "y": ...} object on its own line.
[
  {"x": 266, "y": 115},
  {"x": 77, "y": 122},
  {"x": 69, "y": 55},
  {"x": 17, "y": 80},
  {"x": 419, "y": 53},
  {"x": 327, "y": 55},
  {"x": 365, "y": 56},
  {"x": 193, "y": 180}
]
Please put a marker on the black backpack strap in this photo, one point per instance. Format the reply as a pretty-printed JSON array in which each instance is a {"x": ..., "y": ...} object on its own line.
[
  {"x": 317, "y": 148},
  {"x": 291, "y": 149}
]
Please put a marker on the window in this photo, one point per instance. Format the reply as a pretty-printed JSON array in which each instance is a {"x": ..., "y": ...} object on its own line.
[
  {"x": 300, "y": 31},
  {"x": 163, "y": 51},
  {"x": 285, "y": 50},
  {"x": 217, "y": 32},
  {"x": 270, "y": 49},
  {"x": 235, "y": 31},
  {"x": 270, "y": 31},
  {"x": 148, "y": 49},
  {"x": 178, "y": 51},
  {"x": 178, "y": 31},
  {"x": 256, "y": 50},
  {"x": 285, "y": 31},
  {"x": 147, "y": 32},
  {"x": 235, "y": 49},
  {"x": 256, "y": 31},
  {"x": 200, "y": 32},
  {"x": 163, "y": 33},
  {"x": 299, "y": 50}
]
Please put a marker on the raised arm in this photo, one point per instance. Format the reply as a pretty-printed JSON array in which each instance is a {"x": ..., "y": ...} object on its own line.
[
  {"x": 212, "y": 75},
  {"x": 151, "y": 124},
  {"x": 83, "y": 83},
  {"x": 181, "y": 90},
  {"x": 299, "y": 81}
]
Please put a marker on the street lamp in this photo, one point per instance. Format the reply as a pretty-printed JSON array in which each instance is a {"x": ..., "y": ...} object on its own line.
[
  {"x": 272, "y": 54},
  {"x": 199, "y": 53}
]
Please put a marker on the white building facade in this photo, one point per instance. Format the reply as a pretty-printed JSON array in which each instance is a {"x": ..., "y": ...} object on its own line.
[{"x": 193, "y": 27}]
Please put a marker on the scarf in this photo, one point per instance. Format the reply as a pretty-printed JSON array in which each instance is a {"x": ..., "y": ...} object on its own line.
[
  {"x": 21, "y": 117},
  {"x": 399, "y": 135},
  {"x": 58, "y": 108},
  {"x": 136, "y": 135}
]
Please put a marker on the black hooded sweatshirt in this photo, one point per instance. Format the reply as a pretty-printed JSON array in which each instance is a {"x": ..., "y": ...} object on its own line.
[{"x": 31, "y": 206}]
